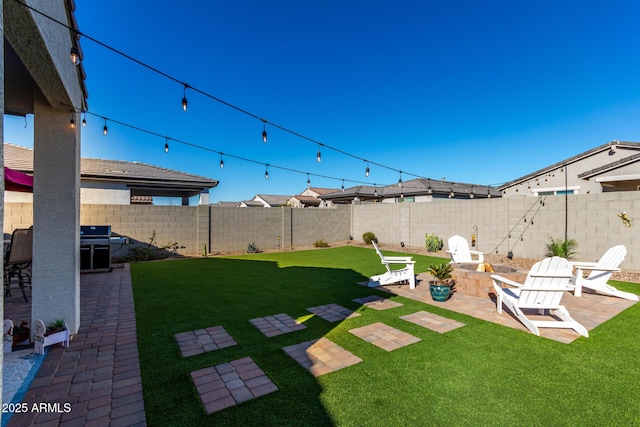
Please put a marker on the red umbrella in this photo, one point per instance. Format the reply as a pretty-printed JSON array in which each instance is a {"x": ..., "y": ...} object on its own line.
[{"x": 17, "y": 181}]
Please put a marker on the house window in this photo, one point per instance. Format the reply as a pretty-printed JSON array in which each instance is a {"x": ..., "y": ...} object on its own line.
[
  {"x": 555, "y": 192},
  {"x": 405, "y": 199}
]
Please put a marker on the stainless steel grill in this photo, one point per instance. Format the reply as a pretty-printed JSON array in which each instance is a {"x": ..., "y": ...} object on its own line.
[{"x": 95, "y": 248}]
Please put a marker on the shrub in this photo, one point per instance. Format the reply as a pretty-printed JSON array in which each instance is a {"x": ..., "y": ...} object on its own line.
[
  {"x": 252, "y": 248},
  {"x": 433, "y": 242},
  {"x": 441, "y": 272},
  {"x": 320, "y": 244},
  {"x": 562, "y": 248},
  {"x": 369, "y": 237},
  {"x": 151, "y": 251}
]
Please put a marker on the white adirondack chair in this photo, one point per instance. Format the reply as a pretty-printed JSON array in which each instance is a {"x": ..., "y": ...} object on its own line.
[
  {"x": 405, "y": 274},
  {"x": 601, "y": 272},
  {"x": 543, "y": 289},
  {"x": 460, "y": 252}
]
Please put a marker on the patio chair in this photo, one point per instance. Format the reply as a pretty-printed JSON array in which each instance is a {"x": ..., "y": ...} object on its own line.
[
  {"x": 601, "y": 272},
  {"x": 17, "y": 262},
  {"x": 405, "y": 274},
  {"x": 542, "y": 290},
  {"x": 460, "y": 252}
]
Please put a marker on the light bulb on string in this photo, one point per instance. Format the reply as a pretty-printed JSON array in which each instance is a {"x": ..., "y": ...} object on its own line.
[
  {"x": 264, "y": 132},
  {"x": 429, "y": 190},
  {"x": 84, "y": 120},
  {"x": 166, "y": 145},
  {"x": 319, "y": 155},
  {"x": 266, "y": 172},
  {"x": 400, "y": 180},
  {"x": 375, "y": 190},
  {"x": 488, "y": 192},
  {"x": 342, "y": 188},
  {"x": 308, "y": 181},
  {"x": 105, "y": 130},
  {"x": 221, "y": 162},
  {"x": 366, "y": 171},
  {"x": 72, "y": 122},
  {"x": 74, "y": 55},
  {"x": 185, "y": 103}
]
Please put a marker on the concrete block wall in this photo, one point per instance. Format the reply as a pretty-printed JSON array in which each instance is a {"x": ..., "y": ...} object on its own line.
[
  {"x": 311, "y": 225},
  {"x": 232, "y": 229}
]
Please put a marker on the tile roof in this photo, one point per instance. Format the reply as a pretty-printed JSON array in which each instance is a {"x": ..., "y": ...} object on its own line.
[{"x": 21, "y": 158}]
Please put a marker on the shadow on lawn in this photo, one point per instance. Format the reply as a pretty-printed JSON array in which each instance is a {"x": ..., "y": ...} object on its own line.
[{"x": 187, "y": 295}]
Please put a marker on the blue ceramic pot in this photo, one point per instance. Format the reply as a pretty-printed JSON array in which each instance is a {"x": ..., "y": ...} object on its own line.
[{"x": 439, "y": 292}]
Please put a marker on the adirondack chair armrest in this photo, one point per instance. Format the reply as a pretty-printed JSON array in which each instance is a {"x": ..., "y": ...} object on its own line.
[
  {"x": 556, "y": 275},
  {"x": 476, "y": 252},
  {"x": 499, "y": 279},
  {"x": 407, "y": 262},
  {"x": 593, "y": 267},
  {"x": 398, "y": 259}
]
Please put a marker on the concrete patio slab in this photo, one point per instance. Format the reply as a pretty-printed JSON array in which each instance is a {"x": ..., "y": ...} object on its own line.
[
  {"x": 227, "y": 384},
  {"x": 432, "y": 321},
  {"x": 321, "y": 356},
  {"x": 384, "y": 336},
  {"x": 201, "y": 341},
  {"x": 333, "y": 312},
  {"x": 377, "y": 302},
  {"x": 277, "y": 324}
]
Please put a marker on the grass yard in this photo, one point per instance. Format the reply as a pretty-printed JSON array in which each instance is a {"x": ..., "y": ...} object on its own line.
[{"x": 479, "y": 374}]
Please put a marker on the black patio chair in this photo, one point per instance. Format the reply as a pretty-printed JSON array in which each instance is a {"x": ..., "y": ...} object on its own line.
[{"x": 17, "y": 261}]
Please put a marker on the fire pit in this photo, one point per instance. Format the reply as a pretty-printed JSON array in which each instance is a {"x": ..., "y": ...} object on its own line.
[{"x": 475, "y": 283}]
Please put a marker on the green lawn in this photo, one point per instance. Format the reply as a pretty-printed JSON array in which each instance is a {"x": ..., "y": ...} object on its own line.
[{"x": 480, "y": 374}]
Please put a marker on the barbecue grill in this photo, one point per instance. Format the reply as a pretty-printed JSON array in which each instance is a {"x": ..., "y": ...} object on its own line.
[{"x": 95, "y": 247}]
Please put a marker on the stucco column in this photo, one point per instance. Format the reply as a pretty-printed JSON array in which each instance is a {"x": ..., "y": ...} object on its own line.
[{"x": 56, "y": 216}]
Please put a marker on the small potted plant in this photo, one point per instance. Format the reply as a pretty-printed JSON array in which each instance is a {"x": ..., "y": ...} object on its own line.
[
  {"x": 442, "y": 285},
  {"x": 54, "y": 333}
]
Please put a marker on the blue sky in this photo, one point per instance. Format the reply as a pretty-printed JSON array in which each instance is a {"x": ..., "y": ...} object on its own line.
[{"x": 475, "y": 91}]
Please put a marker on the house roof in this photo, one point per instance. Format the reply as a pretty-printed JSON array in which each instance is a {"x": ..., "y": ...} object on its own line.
[
  {"x": 553, "y": 167},
  {"x": 147, "y": 180},
  {"x": 308, "y": 200},
  {"x": 274, "y": 200},
  {"x": 252, "y": 204},
  {"x": 319, "y": 190},
  {"x": 610, "y": 166}
]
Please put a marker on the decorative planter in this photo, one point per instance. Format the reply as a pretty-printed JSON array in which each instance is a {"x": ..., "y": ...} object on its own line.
[
  {"x": 439, "y": 291},
  {"x": 40, "y": 340}
]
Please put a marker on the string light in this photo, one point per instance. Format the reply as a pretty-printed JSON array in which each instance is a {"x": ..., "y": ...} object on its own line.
[
  {"x": 471, "y": 193},
  {"x": 185, "y": 103},
  {"x": 221, "y": 162},
  {"x": 105, "y": 131},
  {"x": 72, "y": 122},
  {"x": 74, "y": 55},
  {"x": 166, "y": 145},
  {"x": 84, "y": 120},
  {"x": 375, "y": 190},
  {"x": 400, "y": 180},
  {"x": 308, "y": 181},
  {"x": 488, "y": 192},
  {"x": 319, "y": 155},
  {"x": 264, "y": 131},
  {"x": 366, "y": 171},
  {"x": 342, "y": 188},
  {"x": 429, "y": 190},
  {"x": 266, "y": 172}
]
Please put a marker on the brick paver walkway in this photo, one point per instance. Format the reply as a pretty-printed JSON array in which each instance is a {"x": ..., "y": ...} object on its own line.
[
  {"x": 333, "y": 312},
  {"x": 377, "y": 303},
  {"x": 99, "y": 374},
  {"x": 203, "y": 340},
  {"x": 321, "y": 356},
  {"x": 228, "y": 384},
  {"x": 277, "y": 324},
  {"x": 432, "y": 321},
  {"x": 384, "y": 336}
]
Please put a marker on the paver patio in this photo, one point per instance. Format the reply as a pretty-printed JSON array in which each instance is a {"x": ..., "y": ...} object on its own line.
[
  {"x": 432, "y": 321},
  {"x": 384, "y": 336},
  {"x": 277, "y": 324},
  {"x": 333, "y": 312},
  {"x": 203, "y": 340},
  {"x": 321, "y": 356},
  {"x": 227, "y": 384}
]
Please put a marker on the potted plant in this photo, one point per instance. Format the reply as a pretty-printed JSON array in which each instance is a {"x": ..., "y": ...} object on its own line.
[
  {"x": 54, "y": 333},
  {"x": 442, "y": 285}
]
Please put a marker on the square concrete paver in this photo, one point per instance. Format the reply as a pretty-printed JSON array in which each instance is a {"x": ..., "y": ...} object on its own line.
[
  {"x": 377, "y": 303},
  {"x": 230, "y": 383},
  {"x": 333, "y": 312},
  {"x": 432, "y": 321},
  {"x": 384, "y": 336},
  {"x": 277, "y": 324},
  {"x": 203, "y": 340},
  {"x": 321, "y": 356}
]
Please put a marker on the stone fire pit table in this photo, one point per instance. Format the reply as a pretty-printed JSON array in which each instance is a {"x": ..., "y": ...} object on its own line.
[{"x": 475, "y": 283}]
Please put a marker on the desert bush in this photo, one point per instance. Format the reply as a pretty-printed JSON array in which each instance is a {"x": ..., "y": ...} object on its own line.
[
  {"x": 369, "y": 237},
  {"x": 252, "y": 248},
  {"x": 320, "y": 244},
  {"x": 560, "y": 247},
  {"x": 433, "y": 242}
]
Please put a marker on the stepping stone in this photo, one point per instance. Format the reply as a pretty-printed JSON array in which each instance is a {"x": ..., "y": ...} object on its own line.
[
  {"x": 384, "y": 336},
  {"x": 321, "y": 356},
  {"x": 333, "y": 312},
  {"x": 277, "y": 324},
  {"x": 227, "y": 384},
  {"x": 377, "y": 303},
  {"x": 203, "y": 340},
  {"x": 432, "y": 321}
]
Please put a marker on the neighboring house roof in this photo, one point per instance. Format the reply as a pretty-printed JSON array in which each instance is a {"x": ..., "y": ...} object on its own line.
[
  {"x": 273, "y": 200},
  {"x": 609, "y": 146},
  {"x": 319, "y": 190},
  {"x": 227, "y": 204},
  {"x": 610, "y": 166},
  {"x": 308, "y": 200},
  {"x": 251, "y": 204},
  {"x": 143, "y": 179}
]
